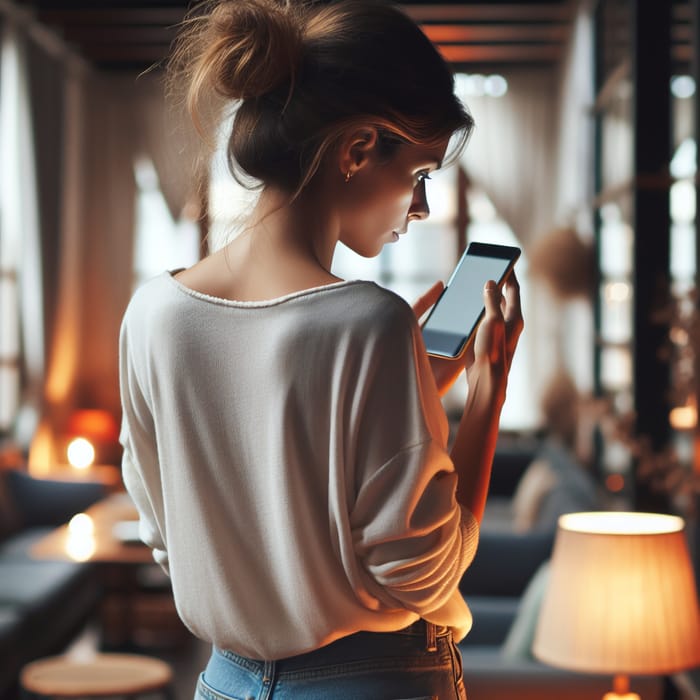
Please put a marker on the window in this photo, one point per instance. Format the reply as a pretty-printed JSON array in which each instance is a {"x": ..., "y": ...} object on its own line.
[{"x": 160, "y": 242}]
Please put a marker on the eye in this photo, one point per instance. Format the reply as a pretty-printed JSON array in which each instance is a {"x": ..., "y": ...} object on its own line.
[{"x": 423, "y": 176}]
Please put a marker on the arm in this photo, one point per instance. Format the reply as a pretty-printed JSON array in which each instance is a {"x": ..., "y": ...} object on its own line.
[
  {"x": 488, "y": 363},
  {"x": 487, "y": 376}
]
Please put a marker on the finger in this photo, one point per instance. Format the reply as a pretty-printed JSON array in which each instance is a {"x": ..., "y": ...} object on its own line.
[
  {"x": 512, "y": 299},
  {"x": 513, "y": 314},
  {"x": 492, "y": 300},
  {"x": 424, "y": 302}
]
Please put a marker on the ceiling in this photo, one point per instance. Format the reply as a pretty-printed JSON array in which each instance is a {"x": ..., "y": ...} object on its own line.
[
  {"x": 129, "y": 35},
  {"x": 485, "y": 36}
]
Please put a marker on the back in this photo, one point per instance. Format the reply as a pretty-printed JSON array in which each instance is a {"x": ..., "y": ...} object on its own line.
[{"x": 276, "y": 450}]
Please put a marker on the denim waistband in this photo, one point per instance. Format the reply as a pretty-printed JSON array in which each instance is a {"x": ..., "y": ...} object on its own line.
[{"x": 421, "y": 635}]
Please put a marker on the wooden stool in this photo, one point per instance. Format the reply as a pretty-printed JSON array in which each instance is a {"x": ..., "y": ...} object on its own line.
[{"x": 99, "y": 676}]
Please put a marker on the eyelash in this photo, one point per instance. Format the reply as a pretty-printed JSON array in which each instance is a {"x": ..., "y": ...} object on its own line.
[{"x": 422, "y": 177}]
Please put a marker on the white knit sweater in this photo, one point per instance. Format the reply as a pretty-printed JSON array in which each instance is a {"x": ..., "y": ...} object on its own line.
[{"x": 288, "y": 460}]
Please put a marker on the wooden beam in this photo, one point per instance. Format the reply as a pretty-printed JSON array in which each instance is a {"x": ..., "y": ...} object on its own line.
[
  {"x": 133, "y": 53},
  {"x": 682, "y": 53},
  {"x": 454, "y": 53},
  {"x": 121, "y": 34},
  {"x": 489, "y": 13},
  {"x": 131, "y": 16},
  {"x": 494, "y": 33}
]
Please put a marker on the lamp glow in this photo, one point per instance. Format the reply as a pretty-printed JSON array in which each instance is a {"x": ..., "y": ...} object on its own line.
[
  {"x": 81, "y": 524},
  {"x": 684, "y": 417},
  {"x": 81, "y": 453},
  {"x": 621, "y": 598}
]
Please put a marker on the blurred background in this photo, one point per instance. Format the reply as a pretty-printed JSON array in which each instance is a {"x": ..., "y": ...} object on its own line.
[{"x": 584, "y": 155}]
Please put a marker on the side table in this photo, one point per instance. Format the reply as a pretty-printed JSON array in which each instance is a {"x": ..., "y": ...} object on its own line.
[{"x": 101, "y": 675}]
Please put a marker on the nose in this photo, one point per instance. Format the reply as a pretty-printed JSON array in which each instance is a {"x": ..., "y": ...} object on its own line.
[{"x": 419, "y": 209}]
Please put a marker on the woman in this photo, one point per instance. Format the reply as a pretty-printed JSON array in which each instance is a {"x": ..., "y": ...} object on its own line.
[{"x": 283, "y": 435}]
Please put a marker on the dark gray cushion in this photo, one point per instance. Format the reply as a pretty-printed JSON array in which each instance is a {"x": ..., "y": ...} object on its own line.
[
  {"x": 575, "y": 489},
  {"x": 49, "y": 502},
  {"x": 493, "y": 617},
  {"x": 33, "y": 584},
  {"x": 505, "y": 563}
]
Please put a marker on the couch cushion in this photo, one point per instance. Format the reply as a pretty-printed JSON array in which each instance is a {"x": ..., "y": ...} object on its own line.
[
  {"x": 493, "y": 618},
  {"x": 31, "y": 584},
  {"x": 54, "y": 599},
  {"x": 46, "y": 502},
  {"x": 505, "y": 563},
  {"x": 555, "y": 483},
  {"x": 18, "y": 546}
]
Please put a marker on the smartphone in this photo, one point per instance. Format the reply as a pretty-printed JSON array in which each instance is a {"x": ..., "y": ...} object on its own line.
[{"x": 452, "y": 323}]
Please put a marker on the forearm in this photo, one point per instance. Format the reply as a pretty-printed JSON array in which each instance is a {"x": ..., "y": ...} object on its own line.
[{"x": 475, "y": 442}]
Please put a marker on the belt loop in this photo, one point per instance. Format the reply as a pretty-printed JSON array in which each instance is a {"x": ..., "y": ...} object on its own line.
[{"x": 430, "y": 636}]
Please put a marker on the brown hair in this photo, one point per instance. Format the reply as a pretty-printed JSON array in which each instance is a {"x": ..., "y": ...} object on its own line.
[{"x": 302, "y": 74}]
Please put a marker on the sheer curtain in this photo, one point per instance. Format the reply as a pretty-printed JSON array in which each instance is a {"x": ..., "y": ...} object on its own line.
[
  {"x": 108, "y": 123},
  {"x": 21, "y": 247},
  {"x": 511, "y": 158},
  {"x": 511, "y": 152},
  {"x": 531, "y": 153},
  {"x": 65, "y": 345},
  {"x": 125, "y": 119}
]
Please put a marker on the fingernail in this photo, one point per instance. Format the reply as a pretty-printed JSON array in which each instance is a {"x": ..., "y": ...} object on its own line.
[{"x": 490, "y": 286}]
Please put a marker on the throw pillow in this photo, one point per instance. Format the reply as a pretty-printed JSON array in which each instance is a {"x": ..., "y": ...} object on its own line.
[
  {"x": 518, "y": 642},
  {"x": 534, "y": 486}
]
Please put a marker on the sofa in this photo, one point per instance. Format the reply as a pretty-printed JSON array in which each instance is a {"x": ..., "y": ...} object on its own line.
[
  {"x": 43, "y": 604},
  {"x": 506, "y": 582}
]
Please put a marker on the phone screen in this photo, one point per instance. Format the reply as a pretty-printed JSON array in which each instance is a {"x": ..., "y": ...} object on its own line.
[{"x": 457, "y": 313}]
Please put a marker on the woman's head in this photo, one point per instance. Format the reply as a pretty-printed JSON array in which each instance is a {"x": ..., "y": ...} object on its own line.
[{"x": 305, "y": 75}]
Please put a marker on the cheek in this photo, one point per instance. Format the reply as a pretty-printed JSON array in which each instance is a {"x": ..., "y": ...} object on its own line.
[{"x": 391, "y": 203}]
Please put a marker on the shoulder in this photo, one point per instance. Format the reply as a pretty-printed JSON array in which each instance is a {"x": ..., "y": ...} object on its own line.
[
  {"x": 152, "y": 301},
  {"x": 373, "y": 309}
]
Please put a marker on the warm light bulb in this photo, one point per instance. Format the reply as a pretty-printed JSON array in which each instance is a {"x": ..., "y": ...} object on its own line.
[
  {"x": 81, "y": 454},
  {"x": 81, "y": 543},
  {"x": 683, "y": 417},
  {"x": 81, "y": 524}
]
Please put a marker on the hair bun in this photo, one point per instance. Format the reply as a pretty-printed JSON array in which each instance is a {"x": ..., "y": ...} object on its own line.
[{"x": 250, "y": 47}]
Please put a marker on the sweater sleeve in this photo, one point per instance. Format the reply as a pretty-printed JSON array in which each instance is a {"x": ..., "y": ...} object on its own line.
[
  {"x": 140, "y": 466},
  {"x": 413, "y": 538}
]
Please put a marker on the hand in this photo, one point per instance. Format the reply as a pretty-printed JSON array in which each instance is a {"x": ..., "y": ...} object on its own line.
[
  {"x": 498, "y": 334},
  {"x": 445, "y": 370}
]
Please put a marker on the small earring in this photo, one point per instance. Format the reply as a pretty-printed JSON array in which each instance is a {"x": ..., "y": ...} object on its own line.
[{"x": 348, "y": 175}]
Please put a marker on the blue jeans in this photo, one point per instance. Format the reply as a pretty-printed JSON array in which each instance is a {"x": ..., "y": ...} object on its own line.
[{"x": 401, "y": 665}]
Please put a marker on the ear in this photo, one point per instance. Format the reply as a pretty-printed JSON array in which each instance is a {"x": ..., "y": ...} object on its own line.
[{"x": 356, "y": 148}]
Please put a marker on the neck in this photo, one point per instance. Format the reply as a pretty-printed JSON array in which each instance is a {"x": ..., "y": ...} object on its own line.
[{"x": 303, "y": 230}]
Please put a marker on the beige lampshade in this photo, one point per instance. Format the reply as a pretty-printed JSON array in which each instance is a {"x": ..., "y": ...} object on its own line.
[{"x": 621, "y": 598}]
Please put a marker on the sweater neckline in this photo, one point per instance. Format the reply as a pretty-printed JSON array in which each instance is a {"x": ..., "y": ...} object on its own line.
[{"x": 220, "y": 301}]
